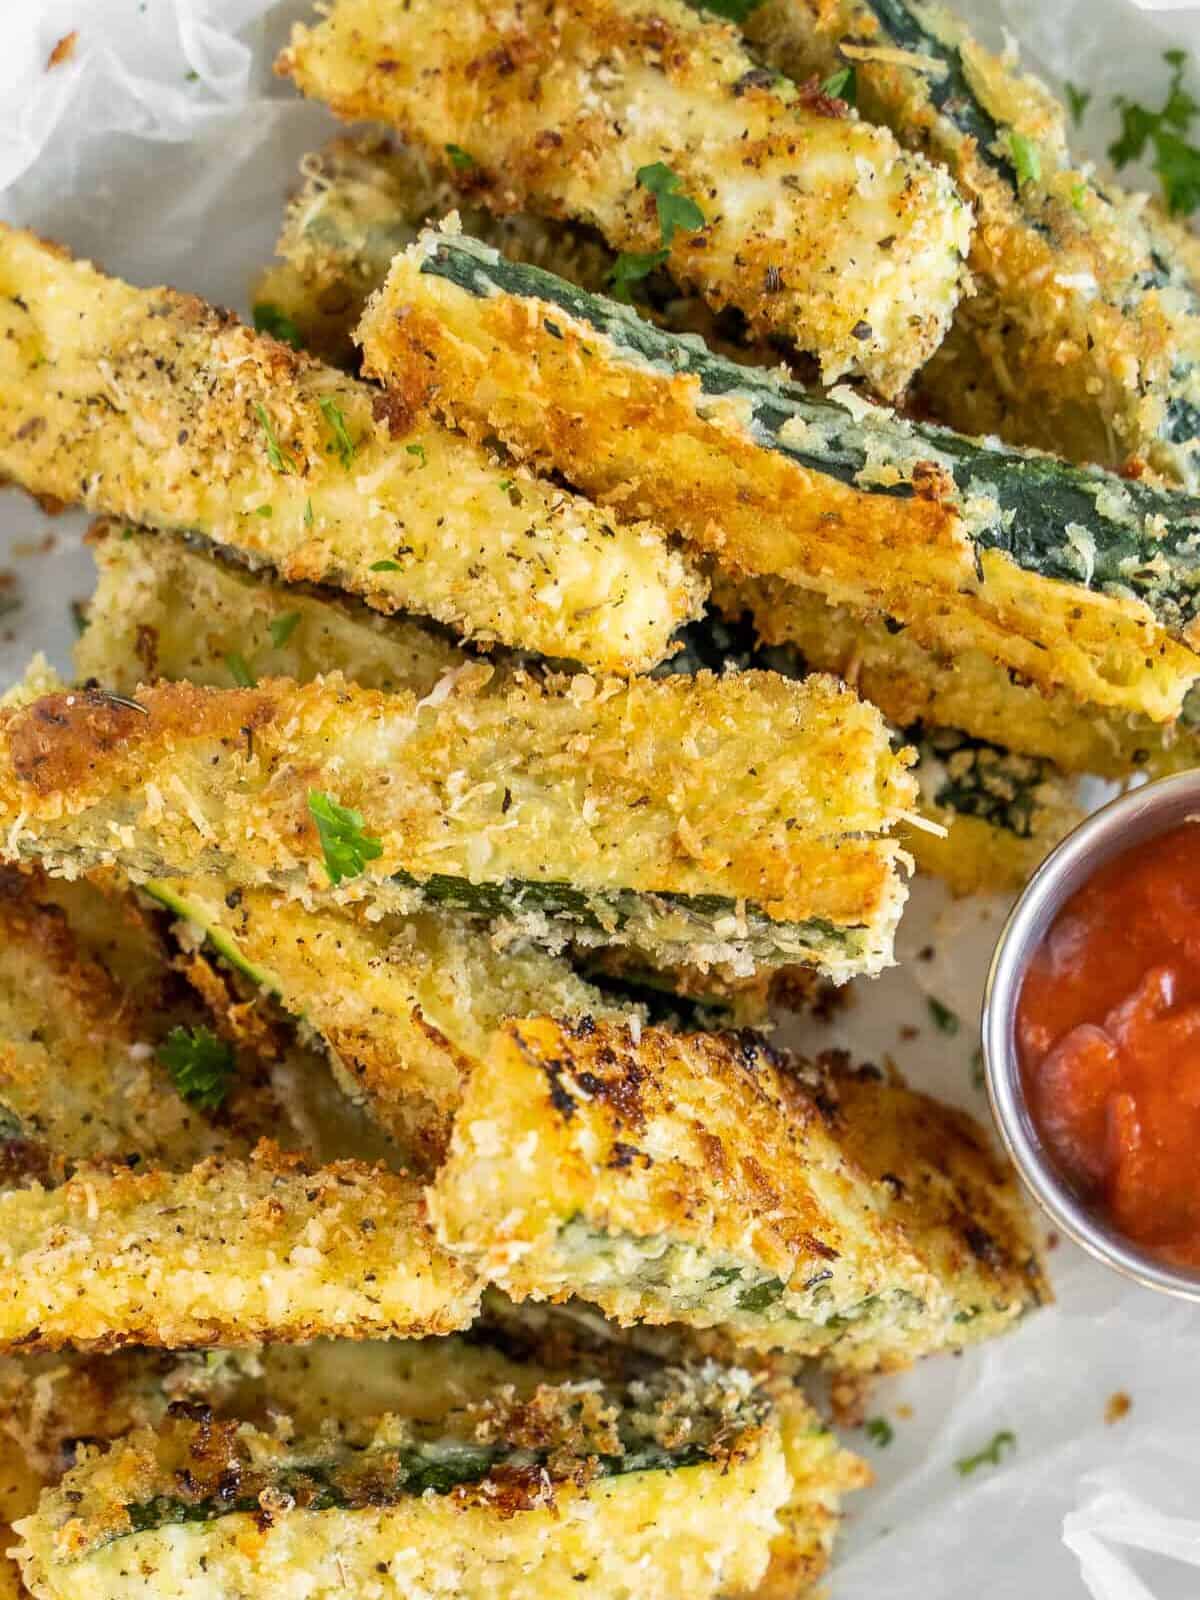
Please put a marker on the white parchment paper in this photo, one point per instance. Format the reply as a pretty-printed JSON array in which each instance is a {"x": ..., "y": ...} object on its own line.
[{"x": 164, "y": 147}]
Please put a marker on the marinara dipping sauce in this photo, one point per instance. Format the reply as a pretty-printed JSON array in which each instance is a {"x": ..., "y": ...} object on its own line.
[{"x": 1108, "y": 1039}]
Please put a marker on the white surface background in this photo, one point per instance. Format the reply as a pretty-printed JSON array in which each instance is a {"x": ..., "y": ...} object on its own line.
[{"x": 163, "y": 176}]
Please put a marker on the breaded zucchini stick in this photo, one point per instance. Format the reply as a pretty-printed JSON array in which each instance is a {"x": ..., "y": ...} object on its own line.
[
  {"x": 997, "y": 813},
  {"x": 164, "y": 609},
  {"x": 404, "y": 1007},
  {"x": 150, "y": 405},
  {"x": 229, "y": 1252},
  {"x": 814, "y": 225},
  {"x": 671, "y": 1483},
  {"x": 912, "y": 684},
  {"x": 46, "y": 1404},
  {"x": 735, "y": 821},
  {"x": 360, "y": 201},
  {"x": 1072, "y": 578},
  {"x": 1083, "y": 335},
  {"x": 699, "y": 1179}
]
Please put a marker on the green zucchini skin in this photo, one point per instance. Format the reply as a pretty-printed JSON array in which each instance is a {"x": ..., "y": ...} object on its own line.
[{"x": 1146, "y": 540}]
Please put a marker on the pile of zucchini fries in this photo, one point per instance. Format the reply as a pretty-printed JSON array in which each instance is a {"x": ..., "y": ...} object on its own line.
[{"x": 529, "y": 654}]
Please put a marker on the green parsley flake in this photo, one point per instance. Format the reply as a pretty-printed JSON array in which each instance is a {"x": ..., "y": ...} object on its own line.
[
  {"x": 1026, "y": 157},
  {"x": 200, "y": 1064},
  {"x": 630, "y": 267},
  {"x": 1078, "y": 101},
  {"x": 342, "y": 442},
  {"x": 417, "y": 450},
  {"x": 283, "y": 627},
  {"x": 675, "y": 210},
  {"x": 842, "y": 86},
  {"x": 263, "y": 511},
  {"x": 79, "y": 616},
  {"x": 880, "y": 1431},
  {"x": 239, "y": 670},
  {"x": 944, "y": 1020},
  {"x": 308, "y": 514},
  {"x": 1176, "y": 162},
  {"x": 384, "y": 566},
  {"x": 280, "y": 459},
  {"x": 270, "y": 319},
  {"x": 989, "y": 1456},
  {"x": 347, "y": 846},
  {"x": 461, "y": 160}
]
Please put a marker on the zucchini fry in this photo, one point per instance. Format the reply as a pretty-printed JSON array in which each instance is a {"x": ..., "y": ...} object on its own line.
[
  {"x": 734, "y": 821},
  {"x": 404, "y": 1008},
  {"x": 150, "y": 405},
  {"x": 162, "y": 609},
  {"x": 911, "y": 684},
  {"x": 564, "y": 109},
  {"x": 1071, "y": 578},
  {"x": 361, "y": 200},
  {"x": 230, "y": 1252},
  {"x": 700, "y": 1179},
  {"x": 998, "y": 812},
  {"x": 671, "y": 1482},
  {"x": 48, "y": 1403},
  {"x": 1084, "y": 334}
]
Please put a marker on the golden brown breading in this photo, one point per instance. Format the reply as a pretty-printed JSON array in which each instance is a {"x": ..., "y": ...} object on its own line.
[
  {"x": 763, "y": 477},
  {"x": 745, "y": 787},
  {"x": 816, "y": 226},
  {"x": 230, "y": 1252},
  {"x": 151, "y": 405},
  {"x": 699, "y": 1179}
]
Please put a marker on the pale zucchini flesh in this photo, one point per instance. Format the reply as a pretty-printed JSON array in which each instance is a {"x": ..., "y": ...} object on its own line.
[
  {"x": 698, "y": 1179},
  {"x": 1072, "y": 577},
  {"x": 150, "y": 405},
  {"x": 515, "y": 802},
  {"x": 1084, "y": 334},
  {"x": 557, "y": 109}
]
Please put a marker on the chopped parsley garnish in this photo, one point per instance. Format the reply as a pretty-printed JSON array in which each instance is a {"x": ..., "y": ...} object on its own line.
[
  {"x": 342, "y": 442},
  {"x": 384, "y": 566},
  {"x": 880, "y": 1431},
  {"x": 347, "y": 846},
  {"x": 1026, "y": 157},
  {"x": 417, "y": 450},
  {"x": 1176, "y": 162},
  {"x": 280, "y": 459},
  {"x": 200, "y": 1064},
  {"x": 675, "y": 210},
  {"x": 990, "y": 1454},
  {"x": 977, "y": 1071},
  {"x": 308, "y": 514},
  {"x": 263, "y": 511},
  {"x": 270, "y": 319},
  {"x": 283, "y": 627},
  {"x": 79, "y": 616},
  {"x": 944, "y": 1020},
  {"x": 239, "y": 670},
  {"x": 1078, "y": 195},
  {"x": 630, "y": 267},
  {"x": 461, "y": 160},
  {"x": 1078, "y": 101},
  {"x": 841, "y": 86}
]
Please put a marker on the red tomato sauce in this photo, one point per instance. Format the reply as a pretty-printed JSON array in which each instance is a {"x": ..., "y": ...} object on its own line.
[{"x": 1108, "y": 1036}]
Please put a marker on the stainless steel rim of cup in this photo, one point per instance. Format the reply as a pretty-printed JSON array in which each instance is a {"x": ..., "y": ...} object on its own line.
[{"x": 1135, "y": 816}]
